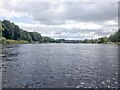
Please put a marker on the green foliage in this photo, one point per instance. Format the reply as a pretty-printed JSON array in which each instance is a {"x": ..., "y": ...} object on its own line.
[
  {"x": 22, "y": 42},
  {"x": 86, "y": 41},
  {"x": 8, "y": 32},
  {"x": 13, "y": 32},
  {"x": 103, "y": 40},
  {"x": 115, "y": 37},
  {"x": 17, "y": 33},
  {"x": 36, "y": 36},
  {"x": 11, "y": 42},
  {"x": 0, "y": 29},
  {"x": 2, "y": 40},
  {"x": 48, "y": 40}
]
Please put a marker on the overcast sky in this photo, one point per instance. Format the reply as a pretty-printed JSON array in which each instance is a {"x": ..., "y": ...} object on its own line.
[{"x": 68, "y": 20}]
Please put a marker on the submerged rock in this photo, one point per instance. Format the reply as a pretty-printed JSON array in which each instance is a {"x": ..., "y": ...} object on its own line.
[{"x": 103, "y": 83}]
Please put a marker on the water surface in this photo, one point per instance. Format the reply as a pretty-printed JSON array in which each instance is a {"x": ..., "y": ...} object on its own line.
[{"x": 60, "y": 66}]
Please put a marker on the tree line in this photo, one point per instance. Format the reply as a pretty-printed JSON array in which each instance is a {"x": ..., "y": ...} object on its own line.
[
  {"x": 10, "y": 31},
  {"x": 13, "y": 32},
  {"x": 114, "y": 38}
]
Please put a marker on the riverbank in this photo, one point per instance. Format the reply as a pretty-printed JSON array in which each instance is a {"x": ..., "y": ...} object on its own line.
[{"x": 9, "y": 41}]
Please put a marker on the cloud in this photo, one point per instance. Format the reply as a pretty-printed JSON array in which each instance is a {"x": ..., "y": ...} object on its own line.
[
  {"x": 73, "y": 32},
  {"x": 59, "y": 12},
  {"x": 70, "y": 20}
]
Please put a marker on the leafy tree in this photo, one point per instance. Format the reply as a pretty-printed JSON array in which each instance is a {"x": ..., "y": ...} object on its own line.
[
  {"x": 26, "y": 36},
  {"x": 17, "y": 33},
  {"x": 36, "y": 36},
  {"x": 48, "y": 40},
  {"x": 8, "y": 32},
  {"x": 115, "y": 37},
  {"x": 13, "y": 32}
]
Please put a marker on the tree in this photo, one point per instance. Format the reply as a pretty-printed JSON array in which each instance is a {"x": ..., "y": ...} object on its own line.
[
  {"x": 17, "y": 33},
  {"x": 115, "y": 37},
  {"x": 36, "y": 36},
  {"x": 48, "y": 40},
  {"x": 12, "y": 31},
  {"x": 8, "y": 32}
]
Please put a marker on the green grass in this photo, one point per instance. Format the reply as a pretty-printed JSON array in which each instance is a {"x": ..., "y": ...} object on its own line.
[
  {"x": 117, "y": 43},
  {"x": 9, "y": 41}
]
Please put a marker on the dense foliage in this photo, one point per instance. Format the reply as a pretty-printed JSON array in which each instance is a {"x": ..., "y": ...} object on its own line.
[
  {"x": 115, "y": 37},
  {"x": 13, "y": 32},
  {"x": 48, "y": 40}
]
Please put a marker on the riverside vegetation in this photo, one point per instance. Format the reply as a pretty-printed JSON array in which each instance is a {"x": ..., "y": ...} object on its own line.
[{"x": 12, "y": 34}]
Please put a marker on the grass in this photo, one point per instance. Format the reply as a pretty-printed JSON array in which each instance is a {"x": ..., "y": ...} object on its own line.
[
  {"x": 118, "y": 43},
  {"x": 9, "y": 41}
]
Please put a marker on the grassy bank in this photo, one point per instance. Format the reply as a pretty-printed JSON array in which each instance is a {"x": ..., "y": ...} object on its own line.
[
  {"x": 8, "y": 41},
  {"x": 118, "y": 43}
]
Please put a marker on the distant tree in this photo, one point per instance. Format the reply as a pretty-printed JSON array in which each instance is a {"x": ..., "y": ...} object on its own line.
[
  {"x": 48, "y": 40},
  {"x": 115, "y": 37},
  {"x": 60, "y": 41},
  {"x": 26, "y": 36},
  {"x": 85, "y": 41},
  {"x": 100, "y": 40},
  {"x": 36, "y": 36}
]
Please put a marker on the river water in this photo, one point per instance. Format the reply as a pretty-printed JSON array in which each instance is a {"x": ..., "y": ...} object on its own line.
[{"x": 60, "y": 66}]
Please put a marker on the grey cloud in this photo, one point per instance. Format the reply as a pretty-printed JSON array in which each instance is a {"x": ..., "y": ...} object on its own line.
[
  {"x": 70, "y": 33},
  {"x": 80, "y": 12},
  {"x": 76, "y": 11},
  {"x": 91, "y": 11}
]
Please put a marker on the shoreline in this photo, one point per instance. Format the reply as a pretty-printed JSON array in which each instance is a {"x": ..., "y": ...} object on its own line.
[
  {"x": 118, "y": 43},
  {"x": 10, "y": 41}
]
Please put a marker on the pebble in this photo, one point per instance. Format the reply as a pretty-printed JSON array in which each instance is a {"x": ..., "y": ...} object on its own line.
[
  {"x": 103, "y": 83},
  {"x": 116, "y": 82},
  {"x": 82, "y": 83},
  {"x": 116, "y": 73},
  {"x": 78, "y": 87},
  {"x": 113, "y": 65},
  {"x": 65, "y": 83},
  {"x": 114, "y": 79},
  {"x": 108, "y": 80}
]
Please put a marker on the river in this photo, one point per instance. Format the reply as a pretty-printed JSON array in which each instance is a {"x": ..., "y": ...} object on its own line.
[{"x": 60, "y": 66}]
